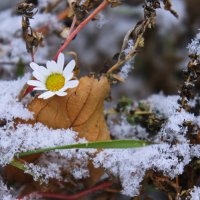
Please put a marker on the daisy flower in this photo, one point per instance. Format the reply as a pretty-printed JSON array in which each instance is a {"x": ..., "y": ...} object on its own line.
[{"x": 54, "y": 79}]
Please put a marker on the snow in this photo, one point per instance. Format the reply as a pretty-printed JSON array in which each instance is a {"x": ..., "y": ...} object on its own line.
[
  {"x": 5, "y": 193},
  {"x": 166, "y": 105},
  {"x": 27, "y": 137},
  {"x": 163, "y": 157},
  {"x": 101, "y": 20},
  {"x": 195, "y": 193},
  {"x": 194, "y": 46},
  {"x": 173, "y": 128},
  {"x": 128, "y": 66},
  {"x": 124, "y": 130},
  {"x": 132, "y": 166},
  {"x": 13, "y": 48},
  {"x": 51, "y": 165},
  {"x": 7, "y": 33},
  {"x": 9, "y": 106}
]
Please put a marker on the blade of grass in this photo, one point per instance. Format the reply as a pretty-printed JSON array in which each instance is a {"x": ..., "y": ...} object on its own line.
[
  {"x": 18, "y": 165},
  {"x": 113, "y": 144}
]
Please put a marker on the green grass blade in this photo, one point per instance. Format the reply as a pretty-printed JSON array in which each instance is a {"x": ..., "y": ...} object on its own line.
[
  {"x": 112, "y": 144},
  {"x": 18, "y": 165}
]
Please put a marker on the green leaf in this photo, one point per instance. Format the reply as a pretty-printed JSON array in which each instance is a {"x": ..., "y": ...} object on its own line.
[{"x": 112, "y": 144}]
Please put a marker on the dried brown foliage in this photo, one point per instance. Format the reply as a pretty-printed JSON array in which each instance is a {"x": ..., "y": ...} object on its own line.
[{"x": 32, "y": 38}]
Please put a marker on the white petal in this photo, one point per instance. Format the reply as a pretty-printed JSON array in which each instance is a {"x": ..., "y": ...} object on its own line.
[
  {"x": 70, "y": 84},
  {"x": 40, "y": 77},
  {"x": 35, "y": 83},
  {"x": 34, "y": 66},
  {"x": 46, "y": 95},
  {"x": 61, "y": 62},
  {"x": 60, "y": 93},
  {"x": 52, "y": 66},
  {"x": 70, "y": 67},
  {"x": 40, "y": 88},
  {"x": 39, "y": 68},
  {"x": 68, "y": 77}
]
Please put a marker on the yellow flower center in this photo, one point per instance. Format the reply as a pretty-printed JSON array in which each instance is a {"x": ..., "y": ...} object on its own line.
[{"x": 55, "y": 82}]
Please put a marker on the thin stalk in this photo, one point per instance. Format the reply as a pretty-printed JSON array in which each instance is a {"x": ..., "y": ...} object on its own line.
[
  {"x": 101, "y": 186},
  {"x": 81, "y": 26}
]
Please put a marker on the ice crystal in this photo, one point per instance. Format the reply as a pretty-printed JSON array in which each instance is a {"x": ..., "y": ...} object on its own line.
[
  {"x": 13, "y": 47},
  {"x": 132, "y": 166},
  {"x": 9, "y": 106},
  {"x": 5, "y": 193},
  {"x": 51, "y": 165},
  {"x": 27, "y": 137},
  {"x": 195, "y": 193},
  {"x": 128, "y": 66},
  {"x": 194, "y": 46},
  {"x": 123, "y": 129},
  {"x": 167, "y": 106}
]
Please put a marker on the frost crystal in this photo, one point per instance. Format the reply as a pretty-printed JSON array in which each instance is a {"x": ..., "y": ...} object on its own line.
[
  {"x": 165, "y": 158},
  {"x": 9, "y": 106},
  {"x": 125, "y": 130},
  {"x": 51, "y": 165},
  {"x": 27, "y": 137},
  {"x": 101, "y": 20},
  {"x": 128, "y": 66},
  {"x": 195, "y": 194},
  {"x": 194, "y": 46},
  {"x": 13, "y": 47},
  {"x": 167, "y": 106},
  {"x": 131, "y": 165},
  {"x": 5, "y": 193}
]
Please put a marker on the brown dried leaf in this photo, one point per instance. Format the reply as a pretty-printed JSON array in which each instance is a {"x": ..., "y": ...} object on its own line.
[{"x": 82, "y": 109}]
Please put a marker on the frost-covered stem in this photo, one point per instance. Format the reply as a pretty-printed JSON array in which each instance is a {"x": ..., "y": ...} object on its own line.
[
  {"x": 81, "y": 26},
  {"x": 101, "y": 186},
  {"x": 134, "y": 50},
  {"x": 127, "y": 58}
]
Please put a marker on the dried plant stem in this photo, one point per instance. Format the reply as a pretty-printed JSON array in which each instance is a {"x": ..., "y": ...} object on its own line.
[
  {"x": 81, "y": 26},
  {"x": 133, "y": 52},
  {"x": 128, "y": 57}
]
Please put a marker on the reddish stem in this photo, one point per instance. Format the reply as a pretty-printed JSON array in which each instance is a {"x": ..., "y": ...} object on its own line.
[
  {"x": 81, "y": 26},
  {"x": 74, "y": 196}
]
